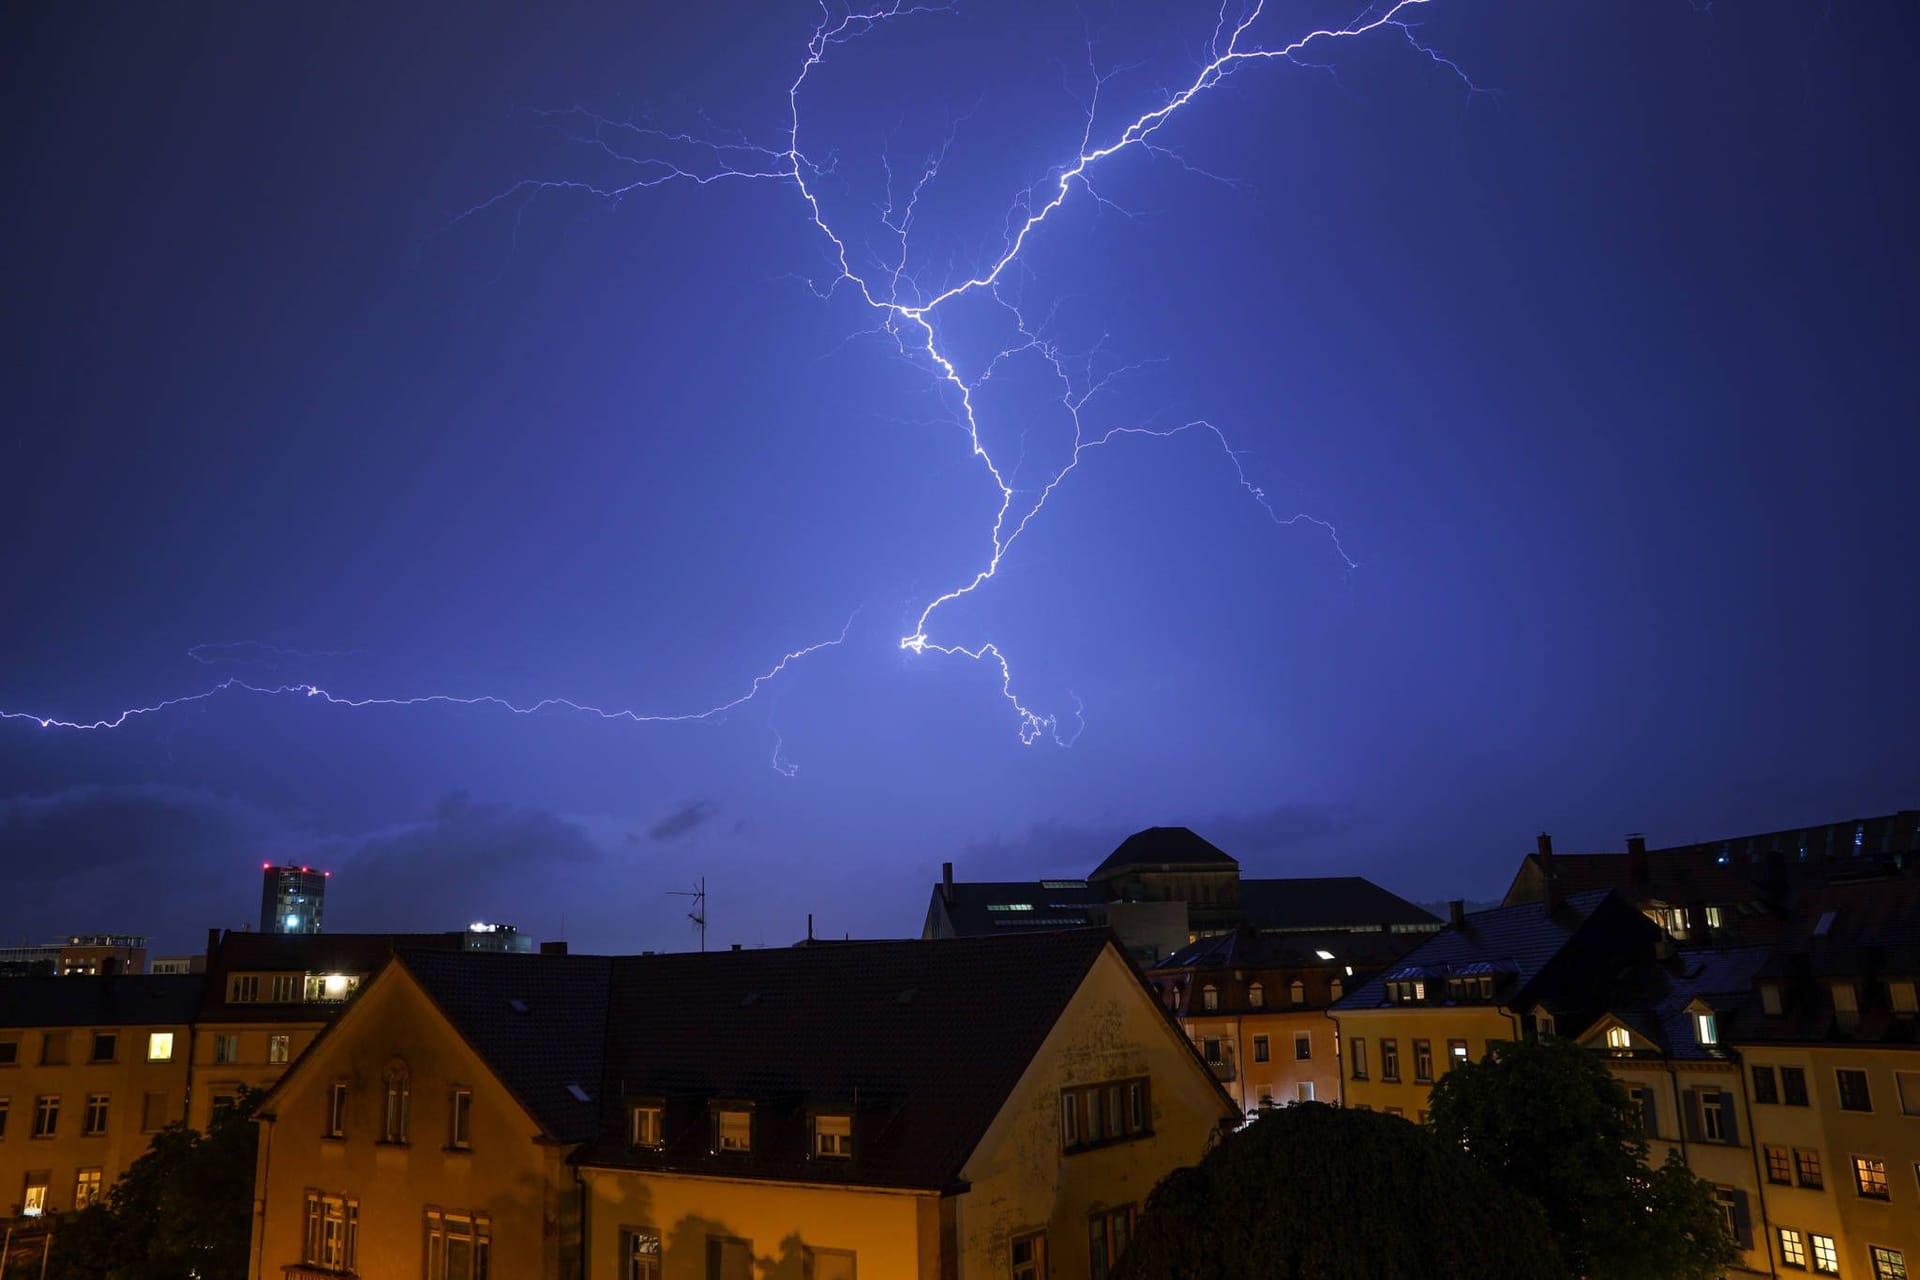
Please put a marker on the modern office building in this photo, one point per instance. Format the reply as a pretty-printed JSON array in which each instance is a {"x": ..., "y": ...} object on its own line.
[
  {"x": 292, "y": 899},
  {"x": 77, "y": 954}
]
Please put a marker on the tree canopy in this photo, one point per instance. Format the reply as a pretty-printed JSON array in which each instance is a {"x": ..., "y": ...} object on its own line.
[
  {"x": 1546, "y": 1118},
  {"x": 1315, "y": 1192},
  {"x": 185, "y": 1208}
]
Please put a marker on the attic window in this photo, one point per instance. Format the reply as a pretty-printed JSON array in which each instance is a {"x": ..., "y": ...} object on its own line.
[
  {"x": 1902, "y": 996},
  {"x": 833, "y": 1136},
  {"x": 1770, "y": 999},
  {"x": 1716, "y": 918},
  {"x": 643, "y": 1124},
  {"x": 1706, "y": 1029},
  {"x": 1825, "y": 923},
  {"x": 1257, "y": 996},
  {"x": 1619, "y": 1038},
  {"x": 906, "y": 995},
  {"x": 579, "y": 1094},
  {"x": 517, "y": 1005},
  {"x": 732, "y": 1129}
]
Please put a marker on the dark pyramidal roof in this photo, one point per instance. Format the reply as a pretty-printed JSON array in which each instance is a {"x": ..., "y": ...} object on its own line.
[{"x": 1163, "y": 846}]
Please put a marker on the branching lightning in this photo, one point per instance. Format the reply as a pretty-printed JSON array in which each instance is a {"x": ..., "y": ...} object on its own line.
[{"x": 909, "y": 316}]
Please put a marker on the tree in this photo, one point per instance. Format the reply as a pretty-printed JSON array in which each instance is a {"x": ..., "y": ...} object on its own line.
[
  {"x": 1546, "y": 1118},
  {"x": 1314, "y": 1192},
  {"x": 185, "y": 1208}
]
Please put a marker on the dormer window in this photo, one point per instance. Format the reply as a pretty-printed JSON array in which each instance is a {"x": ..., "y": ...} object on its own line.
[
  {"x": 733, "y": 1129},
  {"x": 1257, "y": 995},
  {"x": 1336, "y": 988},
  {"x": 1542, "y": 1022},
  {"x": 833, "y": 1137},
  {"x": 1706, "y": 1028},
  {"x": 1297, "y": 992},
  {"x": 1715, "y": 918},
  {"x": 1209, "y": 997},
  {"x": 1619, "y": 1038},
  {"x": 643, "y": 1124},
  {"x": 1902, "y": 996},
  {"x": 1770, "y": 1003},
  {"x": 1844, "y": 999}
]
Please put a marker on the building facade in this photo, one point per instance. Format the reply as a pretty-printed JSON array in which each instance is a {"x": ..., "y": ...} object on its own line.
[{"x": 292, "y": 899}]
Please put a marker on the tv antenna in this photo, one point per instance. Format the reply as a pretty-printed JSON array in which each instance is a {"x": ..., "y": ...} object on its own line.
[{"x": 699, "y": 913}]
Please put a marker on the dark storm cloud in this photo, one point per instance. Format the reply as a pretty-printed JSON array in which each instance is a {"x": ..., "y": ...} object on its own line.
[
  {"x": 1283, "y": 840},
  {"x": 161, "y": 830},
  {"x": 693, "y": 814}
]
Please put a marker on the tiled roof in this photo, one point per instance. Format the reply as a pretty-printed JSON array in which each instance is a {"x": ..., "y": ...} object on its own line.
[
  {"x": 1862, "y": 934},
  {"x": 1654, "y": 999},
  {"x": 1519, "y": 946},
  {"x": 538, "y": 1021},
  {"x": 1163, "y": 846},
  {"x": 1325, "y": 902},
  {"x": 127, "y": 1000},
  {"x": 921, "y": 1041}
]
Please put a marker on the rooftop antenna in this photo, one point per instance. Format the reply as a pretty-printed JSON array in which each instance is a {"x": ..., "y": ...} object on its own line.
[{"x": 699, "y": 913}]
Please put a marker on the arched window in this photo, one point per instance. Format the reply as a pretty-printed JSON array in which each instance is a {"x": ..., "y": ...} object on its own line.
[
  {"x": 1209, "y": 997},
  {"x": 393, "y": 1112},
  {"x": 1297, "y": 992},
  {"x": 1257, "y": 996},
  {"x": 1335, "y": 988}
]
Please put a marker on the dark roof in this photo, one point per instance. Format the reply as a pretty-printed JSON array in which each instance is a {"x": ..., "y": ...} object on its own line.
[
  {"x": 1249, "y": 948},
  {"x": 1655, "y": 998},
  {"x": 1326, "y": 902},
  {"x": 920, "y": 1041},
  {"x": 1862, "y": 933},
  {"x": 130, "y": 1000},
  {"x": 538, "y": 1021},
  {"x": 1162, "y": 846},
  {"x": 1517, "y": 946},
  {"x": 361, "y": 954},
  {"x": 1048, "y": 905}
]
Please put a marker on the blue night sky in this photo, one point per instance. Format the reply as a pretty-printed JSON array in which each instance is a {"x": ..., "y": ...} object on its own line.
[{"x": 1605, "y": 375}]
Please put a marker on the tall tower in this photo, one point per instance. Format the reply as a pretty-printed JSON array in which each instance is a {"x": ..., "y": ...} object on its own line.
[{"x": 292, "y": 899}]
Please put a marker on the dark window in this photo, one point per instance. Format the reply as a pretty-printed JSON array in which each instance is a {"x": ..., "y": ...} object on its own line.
[
  {"x": 1854, "y": 1095},
  {"x": 1303, "y": 1046},
  {"x": 1259, "y": 1048},
  {"x": 1423, "y": 1061},
  {"x": 1793, "y": 1086},
  {"x": 1097, "y": 1114},
  {"x": 1806, "y": 1164},
  {"x": 1765, "y": 1087},
  {"x": 104, "y": 1045},
  {"x": 1456, "y": 1053},
  {"x": 1107, "y": 1237},
  {"x": 1888, "y": 1264},
  {"x": 1390, "y": 1060},
  {"x": 639, "y": 1253},
  {"x": 96, "y": 1118},
  {"x": 1029, "y": 1256}
]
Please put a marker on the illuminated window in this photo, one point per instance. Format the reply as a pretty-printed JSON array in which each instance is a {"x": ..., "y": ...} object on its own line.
[
  {"x": 1714, "y": 918},
  {"x": 1793, "y": 1248},
  {"x": 643, "y": 1124},
  {"x": 459, "y": 1245},
  {"x": 833, "y": 1136},
  {"x": 396, "y": 1095},
  {"x": 333, "y": 1231},
  {"x": 639, "y": 1253},
  {"x": 1028, "y": 1254},
  {"x": 46, "y": 1115},
  {"x": 95, "y": 1122},
  {"x": 1619, "y": 1038},
  {"x": 1705, "y": 1030},
  {"x": 1456, "y": 1053},
  {"x": 1108, "y": 1234},
  {"x": 1888, "y": 1264},
  {"x": 460, "y": 1119},
  {"x": 732, "y": 1129},
  {"x": 279, "y": 1048},
  {"x": 1257, "y": 996},
  {"x": 1826, "y": 1255},
  {"x": 160, "y": 1046},
  {"x": 86, "y": 1188},
  {"x": 34, "y": 1202},
  {"x": 1870, "y": 1177}
]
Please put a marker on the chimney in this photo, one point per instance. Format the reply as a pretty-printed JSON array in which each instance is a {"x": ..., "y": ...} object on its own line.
[
  {"x": 736, "y": 946},
  {"x": 946, "y": 883},
  {"x": 1543, "y": 844},
  {"x": 1550, "y": 883},
  {"x": 553, "y": 948},
  {"x": 213, "y": 949},
  {"x": 1637, "y": 858},
  {"x": 1457, "y": 913}
]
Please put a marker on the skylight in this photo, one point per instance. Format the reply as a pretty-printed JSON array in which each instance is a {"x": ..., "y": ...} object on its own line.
[
  {"x": 1324, "y": 955},
  {"x": 579, "y": 1094},
  {"x": 517, "y": 1005},
  {"x": 1010, "y": 906},
  {"x": 1826, "y": 923}
]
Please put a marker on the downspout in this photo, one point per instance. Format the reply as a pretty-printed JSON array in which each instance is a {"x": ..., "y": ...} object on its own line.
[
  {"x": 586, "y": 1229},
  {"x": 1339, "y": 1061},
  {"x": 1753, "y": 1141},
  {"x": 1680, "y": 1113},
  {"x": 260, "y": 1214}
]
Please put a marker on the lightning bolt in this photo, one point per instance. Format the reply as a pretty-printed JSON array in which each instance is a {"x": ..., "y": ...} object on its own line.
[{"x": 910, "y": 318}]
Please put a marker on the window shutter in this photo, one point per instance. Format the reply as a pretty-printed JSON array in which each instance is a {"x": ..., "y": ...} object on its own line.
[
  {"x": 1694, "y": 1128},
  {"x": 1649, "y": 1111},
  {"x": 1742, "y": 1220},
  {"x": 1729, "y": 1126}
]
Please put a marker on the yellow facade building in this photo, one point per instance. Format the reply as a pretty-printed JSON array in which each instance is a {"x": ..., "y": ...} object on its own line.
[
  {"x": 90, "y": 1068},
  {"x": 963, "y": 1108}
]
